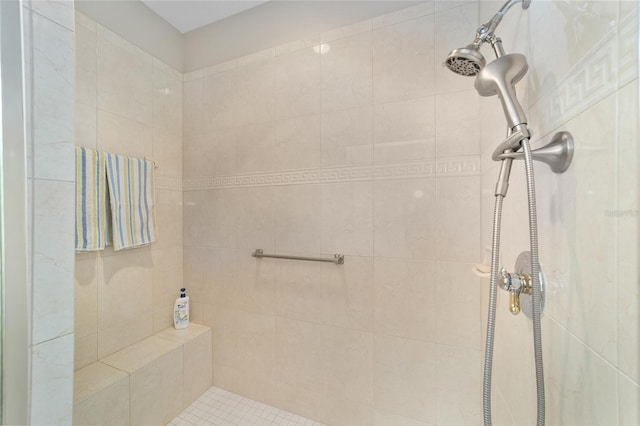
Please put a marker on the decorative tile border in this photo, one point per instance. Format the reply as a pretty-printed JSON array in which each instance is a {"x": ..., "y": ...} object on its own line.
[
  {"x": 168, "y": 182},
  {"x": 590, "y": 80},
  {"x": 459, "y": 166}
]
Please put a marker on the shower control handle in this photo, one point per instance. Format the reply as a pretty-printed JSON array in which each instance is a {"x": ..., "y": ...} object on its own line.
[{"x": 514, "y": 302}]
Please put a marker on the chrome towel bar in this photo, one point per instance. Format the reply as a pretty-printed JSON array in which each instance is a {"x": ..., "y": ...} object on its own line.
[{"x": 338, "y": 259}]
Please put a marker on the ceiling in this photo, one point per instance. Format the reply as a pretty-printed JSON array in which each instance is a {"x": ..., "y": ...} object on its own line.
[{"x": 187, "y": 15}]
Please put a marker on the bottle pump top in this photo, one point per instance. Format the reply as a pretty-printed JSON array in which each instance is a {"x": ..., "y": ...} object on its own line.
[{"x": 183, "y": 293}]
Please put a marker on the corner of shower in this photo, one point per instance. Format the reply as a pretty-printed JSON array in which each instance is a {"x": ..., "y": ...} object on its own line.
[{"x": 526, "y": 284}]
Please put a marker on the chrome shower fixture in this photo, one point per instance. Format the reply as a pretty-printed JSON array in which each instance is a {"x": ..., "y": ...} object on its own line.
[
  {"x": 468, "y": 60},
  {"x": 499, "y": 78}
]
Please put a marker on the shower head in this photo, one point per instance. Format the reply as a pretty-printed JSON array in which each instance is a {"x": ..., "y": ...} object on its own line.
[
  {"x": 499, "y": 78},
  {"x": 467, "y": 61}
]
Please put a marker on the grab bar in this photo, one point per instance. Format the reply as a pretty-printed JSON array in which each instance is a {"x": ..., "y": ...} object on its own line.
[{"x": 338, "y": 259}]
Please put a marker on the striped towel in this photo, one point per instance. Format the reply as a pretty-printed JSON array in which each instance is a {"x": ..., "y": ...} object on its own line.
[
  {"x": 131, "y": 191},
  {"x": 91, "y": 205}
]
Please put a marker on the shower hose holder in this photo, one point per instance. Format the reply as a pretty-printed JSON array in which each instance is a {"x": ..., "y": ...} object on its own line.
[
  {"x": 519, "y": 286},
  {"x": 557, "y": 154}
]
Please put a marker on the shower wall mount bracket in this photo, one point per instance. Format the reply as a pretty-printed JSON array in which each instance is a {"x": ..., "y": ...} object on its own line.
[{"x": 558, "y": 153}]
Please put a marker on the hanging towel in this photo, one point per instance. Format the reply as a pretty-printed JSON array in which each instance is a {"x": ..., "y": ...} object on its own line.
[
  {"x": 131, "y": 194},
  {"x": 91, "y": 204}
]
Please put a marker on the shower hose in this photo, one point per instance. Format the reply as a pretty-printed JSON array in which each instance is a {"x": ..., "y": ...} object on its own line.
[{"x": 535, "y": 287}]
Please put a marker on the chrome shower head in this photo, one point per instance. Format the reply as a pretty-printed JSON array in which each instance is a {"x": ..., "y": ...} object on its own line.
[
  {"x": 499, "y": 77},
  {"x": 467, "y": 61}
]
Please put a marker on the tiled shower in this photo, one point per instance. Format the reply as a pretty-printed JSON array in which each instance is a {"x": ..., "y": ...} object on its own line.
[{"x": 357, "y": 141}]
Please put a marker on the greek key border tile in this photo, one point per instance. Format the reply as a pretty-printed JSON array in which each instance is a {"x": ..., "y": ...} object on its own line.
[
  {"x": 459, "y": 166},
  {"x": 168, "y": 182},
  {"x": 589, "y": 81}
]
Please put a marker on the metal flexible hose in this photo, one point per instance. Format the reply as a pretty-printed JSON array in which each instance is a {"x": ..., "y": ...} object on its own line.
[
  {"x": 491, "y": 320},
  {"x": 535, "y": 281}
]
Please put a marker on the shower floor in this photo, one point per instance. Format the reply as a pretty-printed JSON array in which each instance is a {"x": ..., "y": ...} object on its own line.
[{"x": 219, "y": 407}]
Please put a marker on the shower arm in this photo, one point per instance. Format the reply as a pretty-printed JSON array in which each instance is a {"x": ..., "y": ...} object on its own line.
[{"x": 486, "y": 31}]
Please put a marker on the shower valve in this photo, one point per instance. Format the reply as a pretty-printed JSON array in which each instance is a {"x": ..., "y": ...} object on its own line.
[
  {"x": 515, "y": 284},
  {"x": 519, "y": 285}
]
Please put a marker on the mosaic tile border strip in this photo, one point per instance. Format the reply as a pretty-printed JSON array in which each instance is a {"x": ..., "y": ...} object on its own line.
[
  {"x": 459, "y": 166},
  {"x": 168, "y": 182},
  {"x": 597, "y": 75}
]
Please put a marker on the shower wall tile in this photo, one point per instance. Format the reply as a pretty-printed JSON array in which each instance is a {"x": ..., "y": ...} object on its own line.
[
  {"x": 256, "y": 94},
  {"x": 581, "y": 385},
  {"x": 193, "y": 107},
  {"x": 457, "y": 124},
  {"x": 86, "y": 298},
  {"x": 553, "y": 60},
  {"x": 404, "y": 130},
  {"x": 224, "y": 336},
  {"x": 124, "y": 90},
  {"x": 299, "y": 290},
  {"x": 299, "y": 354},
  {"x": 298, "y": 143},
  {"x": 256, "y": 345},
  {"x": 115, "y": 133},
  {"x": 628, "y": 251},
  {"x": 457, "y": 219},
  {"x": 256, "y": 218},
  {"x": 86, "y": 62},
  {"x": 348, "y": 293},
  {"x": 53, "y": 231},
  {"x": 299, "y": 218},
  {"x": 584, "y": 299},
  {"x": 627, "y": 41},
  {"x": 424, "y": 8},
  {"x": 168, "y": 219},
  {"x": 403, "y": 62},
  {"x": 167, "y": 99},
  {"x": 256, "y": 280},
  {"x": 405, "y": 377},
  {"x": 347, "y": 366},
  {"x": 58, "y": 11},
  {"x": 52, "y": 111},
  {"x": 167, "y": 153},
  {"x": 220, "y": 277},
  {"x": 346, "y": 68},
  {"x": 347, "y": 137},
  {"x": 405, "y": 218},
  {"x": 629, "y": 394},
  {"x": 404, "y": 305},
  {"x": 299, "y": 400},
  {"x": 255, "y": 148},
  {"x": 346, "y": 31},
  {"x": 85, "y": 130},
  {"x": 342, "y": 411},
  {"x": 119, "y": 301},
  {"x": 457, "y": 311},
  {"x": 52, "y": 381},
  {"x": 347, "y": 218},
  {"x": 459, "y": 383},
  {"x": 383, "y": 418},
  {"x": 85, "y": 351},
  {"x": 297, "y": 80},
  {"x": 219, "y": 100},
  {"x": 120, "y": 335}
]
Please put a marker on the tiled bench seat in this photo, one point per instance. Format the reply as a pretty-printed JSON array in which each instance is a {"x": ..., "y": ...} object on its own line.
[{"x": 147, "y": 383}]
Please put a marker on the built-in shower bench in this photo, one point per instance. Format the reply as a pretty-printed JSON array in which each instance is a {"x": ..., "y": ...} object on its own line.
[{"x": 147, "y": 383}]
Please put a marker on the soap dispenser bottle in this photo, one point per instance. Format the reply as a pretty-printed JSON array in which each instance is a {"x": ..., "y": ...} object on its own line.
[{"x": 181, "y": 311}]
